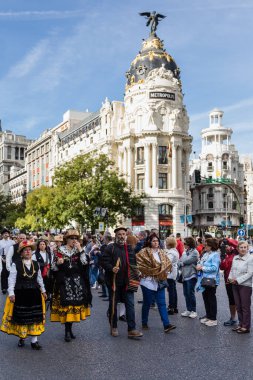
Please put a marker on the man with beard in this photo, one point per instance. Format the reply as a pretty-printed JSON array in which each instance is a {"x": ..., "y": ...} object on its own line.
[{"x": 116, "y": 262}]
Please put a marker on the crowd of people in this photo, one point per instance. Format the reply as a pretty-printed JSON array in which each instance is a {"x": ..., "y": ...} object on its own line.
[{"x": 60, "y": 271}]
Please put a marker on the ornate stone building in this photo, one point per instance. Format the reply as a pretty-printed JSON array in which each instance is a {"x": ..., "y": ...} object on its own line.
[
  {"x": 248, "y": 187},
  {"x": 218, "y": 198},
  {"x": 147, "y": 136},
  {"x": 12, "y": 153}
]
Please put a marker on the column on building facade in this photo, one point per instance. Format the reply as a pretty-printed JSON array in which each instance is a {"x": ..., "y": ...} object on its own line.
[
  {"x": 154, "y": 165},
  {"x": 129, "y": 164},
  {"x": 120, "y": 161},
  {"x": 174, "y": 166},
  {"x": 124, "y": 161},
  {"x": 147, "y": 165},
  {"x": 179, "y": 167}
]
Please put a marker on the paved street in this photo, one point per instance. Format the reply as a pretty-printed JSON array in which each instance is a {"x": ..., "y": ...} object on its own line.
[{"x": 192, "y": 351}]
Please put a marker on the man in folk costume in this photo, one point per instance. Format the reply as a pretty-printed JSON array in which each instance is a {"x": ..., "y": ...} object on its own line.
[
  {"x": 71, "y": 298},
  {"x": 13, "y": 254},
  {"x": 117, "y": 261},
  {"x": 5, "y": 244},
  {"x": 24, "y": 312}
]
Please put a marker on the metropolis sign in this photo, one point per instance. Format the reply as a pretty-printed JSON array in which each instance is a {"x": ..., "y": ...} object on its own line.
[{"x": 162, "y": 95}]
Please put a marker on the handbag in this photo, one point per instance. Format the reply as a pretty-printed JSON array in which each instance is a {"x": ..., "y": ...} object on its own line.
[
  {"x": 208, "y": 282},
  {"x": 162, "y": 284}
]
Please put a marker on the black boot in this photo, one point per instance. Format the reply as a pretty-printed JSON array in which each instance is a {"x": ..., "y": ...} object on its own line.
[
  {"x": 71, "y": 332},
  {"x": 36, "y": 346},
  {"x": 21, "y": 342},
  {"x": 67, "y": 332}
]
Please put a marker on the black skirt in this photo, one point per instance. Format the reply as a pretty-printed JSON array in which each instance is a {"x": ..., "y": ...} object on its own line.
[{"x": 27, "y": 307}]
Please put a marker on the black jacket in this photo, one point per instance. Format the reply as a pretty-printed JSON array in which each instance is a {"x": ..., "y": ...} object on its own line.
[{"x": 109, "y": 260}]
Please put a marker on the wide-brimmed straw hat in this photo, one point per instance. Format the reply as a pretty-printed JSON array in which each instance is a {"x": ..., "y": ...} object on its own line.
[
  {"x": 58, "y": 238},
  {"x": 71, "y": 232},
  {"x": 24, "y": 244}
]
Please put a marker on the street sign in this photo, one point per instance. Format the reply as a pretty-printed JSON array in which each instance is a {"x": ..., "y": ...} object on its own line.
[
  {"x": 241, "y": 233},
  {"x": 101, "y": 226}
]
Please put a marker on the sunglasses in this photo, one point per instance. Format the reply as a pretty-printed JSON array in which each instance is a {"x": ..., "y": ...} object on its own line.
[{"x": 73, "y": 238}]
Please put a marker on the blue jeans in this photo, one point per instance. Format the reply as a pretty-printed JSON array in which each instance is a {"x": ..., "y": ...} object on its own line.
[
  {"x": 189, "y": 294},
  {"x": 93, "y": 274},
  {"x": 128, "y": 299},
  {"x": 172, "y": 291},
  {"x": 148, "y": 296}
]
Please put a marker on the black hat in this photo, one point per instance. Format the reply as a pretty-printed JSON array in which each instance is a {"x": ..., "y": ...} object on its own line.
[
  {"x": 120, "y": 228},
  {"x": 4, "y": 231}
]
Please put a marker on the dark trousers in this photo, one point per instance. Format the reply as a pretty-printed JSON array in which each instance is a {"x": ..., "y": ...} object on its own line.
[
  {"x": 172, "y": 292},
  {"x": 210, "y": 301},
  {"x": 4, "y": 277},
  {"x": 128, "y": 299},
  {"x": 189, "y": 294},
  {"x": 242, "y": 296}
]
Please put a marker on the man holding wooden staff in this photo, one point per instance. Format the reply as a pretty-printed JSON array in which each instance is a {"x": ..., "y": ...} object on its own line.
[{"x": 118, "y": 262}]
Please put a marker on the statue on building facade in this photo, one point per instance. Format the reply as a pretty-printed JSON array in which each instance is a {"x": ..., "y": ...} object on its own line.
[{"x": 153, "y": 20}]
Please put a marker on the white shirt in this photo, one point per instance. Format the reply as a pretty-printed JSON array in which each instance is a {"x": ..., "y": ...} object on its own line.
[
  {"x": 44, "y": 256},
  {"x": 5, "y": 245},
  {"x": 9, "y": 255},
  {"x": 173, "y": 255},
  {"x": 149, "y": 282},
  {"x": 13, "y": 276}
]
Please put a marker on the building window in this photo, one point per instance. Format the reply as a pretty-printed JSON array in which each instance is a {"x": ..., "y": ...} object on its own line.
[
  {"x": 234, "y": 205},
  {"x": 224, "y": 165},
  {"x": 163, "y": 155},
  {"x": 139, "y": 211},
  {"x": 140, "y": 181},
  {"x": 22, "y": 153},
  {"x": 210, "y": 204},
  {"x": 16, "y": 153},
  {"x": 163, "y": 182},
  {"x": 210, "y": 218},
  {"x": 209, "y": 166},
  {"x": 8, "y": 152},
  {"x": 165, "y": 209},
  {"x": 140, "y": 155}
]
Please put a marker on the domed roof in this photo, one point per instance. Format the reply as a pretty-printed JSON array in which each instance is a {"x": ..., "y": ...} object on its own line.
[{"x": 152, "y": 56}]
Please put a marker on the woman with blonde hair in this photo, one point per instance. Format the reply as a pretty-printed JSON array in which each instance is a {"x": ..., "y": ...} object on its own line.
[
  {"x": 173, "y": 255},
  {"x": 240, "y": 277}
]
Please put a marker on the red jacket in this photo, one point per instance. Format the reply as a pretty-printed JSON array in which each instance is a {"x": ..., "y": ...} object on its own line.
[
  {"x": 226, "y": 265},
  {"x": 180, "y": 247}
]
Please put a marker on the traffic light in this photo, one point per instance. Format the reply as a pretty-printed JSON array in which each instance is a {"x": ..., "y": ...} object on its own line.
[
  {"x": 197, "y": 176},
  {"x": 241, "y": 221}
]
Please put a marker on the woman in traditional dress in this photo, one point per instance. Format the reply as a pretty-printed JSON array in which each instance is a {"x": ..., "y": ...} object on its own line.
[
  {"x": 24, "y": 312},
  {"x": 44, "y": 257},
  {"x": 71, "y": 295}
]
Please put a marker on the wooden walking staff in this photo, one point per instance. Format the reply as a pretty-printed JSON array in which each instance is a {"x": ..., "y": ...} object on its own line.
[{"x": 114, "y": 291}]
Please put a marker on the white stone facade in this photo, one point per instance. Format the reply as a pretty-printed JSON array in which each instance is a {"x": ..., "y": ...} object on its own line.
[
  {"x": 217, "y": 201},
  {"x": 248, "y": 187},
  {"x": 12, "y": 153},
  {"x": 17, "y": 184}
]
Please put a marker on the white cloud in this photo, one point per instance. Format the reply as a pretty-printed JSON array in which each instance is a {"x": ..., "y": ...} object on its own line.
[
  {"x": 42, "y": 14},
  {"x": 28, "y": 63}
]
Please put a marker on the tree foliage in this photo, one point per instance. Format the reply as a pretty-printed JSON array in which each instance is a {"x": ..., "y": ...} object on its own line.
[
  {"x": 80, "y": 186},
  {"x": 9, "y": 212}
]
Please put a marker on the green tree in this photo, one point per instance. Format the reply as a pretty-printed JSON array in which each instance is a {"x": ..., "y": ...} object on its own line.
[
  {"x": 88, "y": 182},
  {"x": 9, "y": 212}
]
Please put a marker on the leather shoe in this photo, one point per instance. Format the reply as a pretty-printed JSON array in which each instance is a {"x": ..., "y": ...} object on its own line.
[
  {"x": 21, "y": 343},
  {"x": 145, "y": 327},
  {"x": 169, "y": 328},
  {"x": 134, "y": 334},
  {"x": 114, "y": 332},
  {"x": 242, "y": 331},
  {"x": 123, "y": 318},
  {"x": 36, "y": 346}
]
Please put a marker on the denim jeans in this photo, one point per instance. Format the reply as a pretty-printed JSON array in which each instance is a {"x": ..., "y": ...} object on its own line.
[
  {"x": 128, "y": 298},
  {"x": 172, "y": 292},
  {"x": 148, "y": 296},
  {"x": 93, "y": 274},
  {"x": 189, "y": 294}
]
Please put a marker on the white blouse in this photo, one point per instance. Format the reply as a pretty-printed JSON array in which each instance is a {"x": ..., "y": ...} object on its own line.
[
  {"x": 149, "y": 282},
  {"x": 13, "y": 276}
]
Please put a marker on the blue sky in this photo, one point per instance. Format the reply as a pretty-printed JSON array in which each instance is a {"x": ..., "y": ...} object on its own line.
[{"x": 58, "y": 55}]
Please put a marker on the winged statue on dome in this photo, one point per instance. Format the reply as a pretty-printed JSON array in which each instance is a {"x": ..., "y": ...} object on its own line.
[{"x": 153, "y": 20}]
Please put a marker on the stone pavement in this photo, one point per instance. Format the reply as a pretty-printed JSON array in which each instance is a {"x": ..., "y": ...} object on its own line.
[{"x": 191, "y": 351}]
